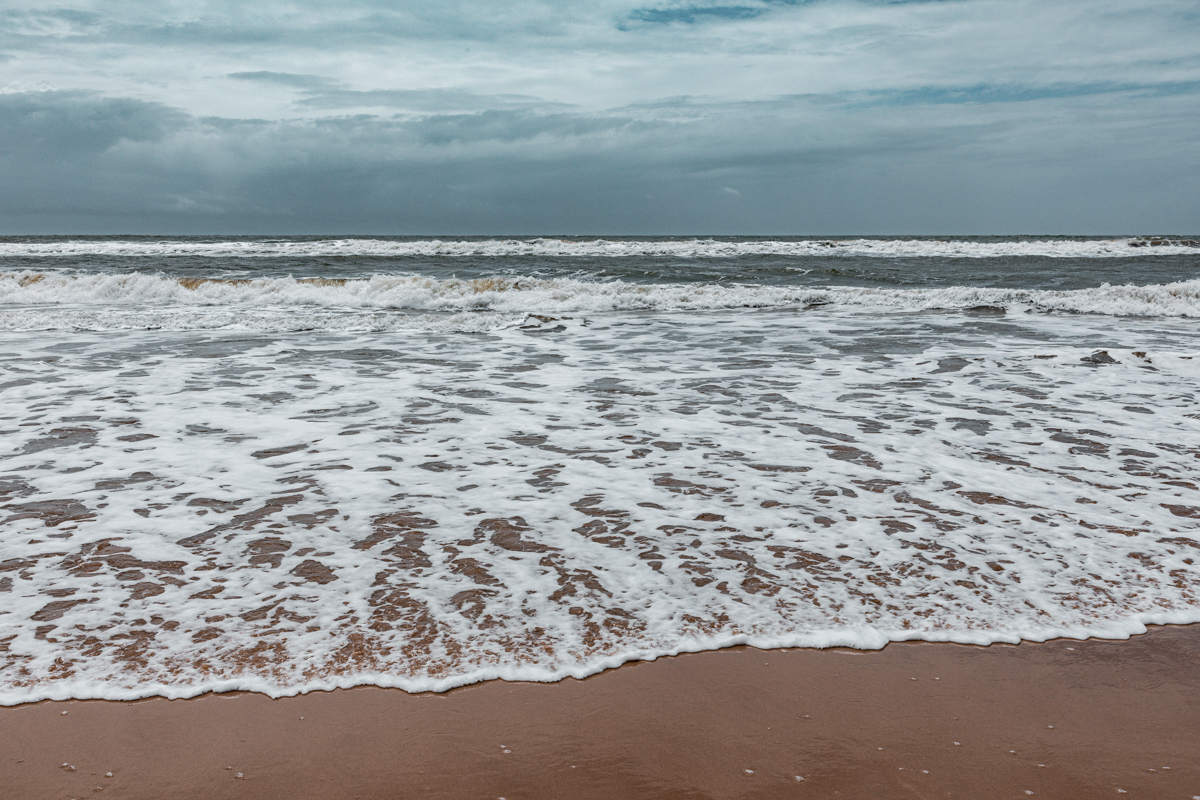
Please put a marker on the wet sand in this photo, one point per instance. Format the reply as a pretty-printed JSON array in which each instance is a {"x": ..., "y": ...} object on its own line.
[{"x": 1064, "y": 719}]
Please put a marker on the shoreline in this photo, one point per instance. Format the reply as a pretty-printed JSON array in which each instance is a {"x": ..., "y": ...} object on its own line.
[
  {"x": 914, "y": 719},
  {"x": 516, "y": 674}
]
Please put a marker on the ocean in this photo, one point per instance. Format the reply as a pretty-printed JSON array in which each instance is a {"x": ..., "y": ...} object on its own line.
[{"x": 299, "y": 463}]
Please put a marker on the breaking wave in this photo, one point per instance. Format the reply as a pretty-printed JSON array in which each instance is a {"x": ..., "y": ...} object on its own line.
[
  {"x": 42, "y": 301},
  {"x": 677, "y": 248}
]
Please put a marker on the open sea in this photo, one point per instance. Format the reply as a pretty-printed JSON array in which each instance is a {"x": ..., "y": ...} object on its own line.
[{"x": 286, "y": 464}]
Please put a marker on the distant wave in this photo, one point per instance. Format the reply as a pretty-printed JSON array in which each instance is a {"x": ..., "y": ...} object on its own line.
[
  {"x": 42, "y": 301},
  {"x": 564, "y": 248}
]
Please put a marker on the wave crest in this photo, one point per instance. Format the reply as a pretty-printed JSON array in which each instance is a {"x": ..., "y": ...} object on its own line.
[
  {"x": 524, "y": 295},
  {"x": 593, "y": 248}
]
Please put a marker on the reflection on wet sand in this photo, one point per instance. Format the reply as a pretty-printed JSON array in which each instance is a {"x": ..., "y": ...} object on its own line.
[{"x": 1067, "y": 719}]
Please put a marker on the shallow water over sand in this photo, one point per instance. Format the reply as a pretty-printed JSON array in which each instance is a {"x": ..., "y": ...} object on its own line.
[{"x": 193, "y": 510}]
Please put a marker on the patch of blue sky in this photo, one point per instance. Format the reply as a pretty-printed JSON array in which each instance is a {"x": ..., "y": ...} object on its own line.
[{"x": 691, "y": 14}]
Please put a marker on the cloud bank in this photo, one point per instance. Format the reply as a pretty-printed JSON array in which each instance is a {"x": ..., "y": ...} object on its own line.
[{"x": 960, "y": 116}]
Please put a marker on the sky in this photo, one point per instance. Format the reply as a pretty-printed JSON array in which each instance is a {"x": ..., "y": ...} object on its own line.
[{"x": 766, "y": 117}]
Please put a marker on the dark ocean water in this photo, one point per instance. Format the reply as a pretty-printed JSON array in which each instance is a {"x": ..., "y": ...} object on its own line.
[{"x": 880, "y": 262}]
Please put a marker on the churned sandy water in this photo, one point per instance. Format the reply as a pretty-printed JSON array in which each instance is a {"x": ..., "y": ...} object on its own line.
[{"x": 187, "y": 511}]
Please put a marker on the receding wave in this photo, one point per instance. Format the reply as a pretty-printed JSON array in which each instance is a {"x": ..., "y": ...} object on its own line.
[
  {"x": 187, "y": 514},
  {"x": 40, "y": 301},
  {"x": 592, "y": 248}
]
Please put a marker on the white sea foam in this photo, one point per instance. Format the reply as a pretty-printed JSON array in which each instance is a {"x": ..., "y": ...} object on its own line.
[
  {"x": 201, "y": 512},
  {"x": 260, "y": 320},
  {"x": 42, "y": 301},
  {"x": 568, "y": 248}
]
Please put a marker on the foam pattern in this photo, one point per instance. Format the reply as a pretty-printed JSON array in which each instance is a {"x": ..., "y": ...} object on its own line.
[
  {"x": 424, "y": 509},
  {"x": 123, "y": 301}
]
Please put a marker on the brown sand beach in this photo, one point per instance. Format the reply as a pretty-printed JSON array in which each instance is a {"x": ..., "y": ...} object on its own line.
[{"x": 1063, "y": 719}]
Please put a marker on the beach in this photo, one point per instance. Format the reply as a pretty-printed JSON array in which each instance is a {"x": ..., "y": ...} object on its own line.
[
  {"x": 1064, "y": 719},
  {"x": 633, "y": 400}
]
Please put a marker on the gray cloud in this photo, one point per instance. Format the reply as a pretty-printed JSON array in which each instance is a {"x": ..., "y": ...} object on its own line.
[
  {"x": 318, "y": 92},
  {"x": 988, "y": 94},
  {"x": 300, "y": 81},
  {"x": 609, "y": 116},
  {"x": 512, "y": 126},
  {"x": 50, "y": 124},
  {"x": 140, "y": 167},
  {"x": 292, "y": 23},
  {"x": 432, "y": 100}
]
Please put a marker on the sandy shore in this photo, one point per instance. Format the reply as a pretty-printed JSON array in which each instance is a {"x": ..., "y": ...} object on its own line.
[{"x": 1064, "y": 719}]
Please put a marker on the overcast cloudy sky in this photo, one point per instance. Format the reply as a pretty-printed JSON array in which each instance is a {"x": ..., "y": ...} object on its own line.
[{"x": 606, "y": 116}]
